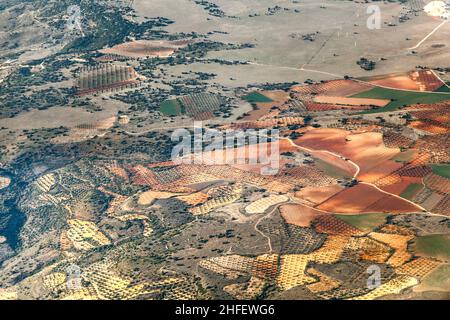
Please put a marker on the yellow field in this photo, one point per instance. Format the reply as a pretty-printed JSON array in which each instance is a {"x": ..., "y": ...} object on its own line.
[
  {"x": 220, "y": 200},
  {"x": 394, "y": 286},
  {"x": 261, "y": 205},
  {"x": 194, "y": 199},
  {"x": 46, "y": 182},
  {"x": 85, "y": 235},
  {"x": 396, "y": 241},
  {"x": 148, "y": 197},
  {"x": 292, "y": 272},
  {"x": 325, "y": 283}
]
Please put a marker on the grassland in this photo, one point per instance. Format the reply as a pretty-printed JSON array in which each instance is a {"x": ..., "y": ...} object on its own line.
[
  {"x": 436, "y": 245},
  {"x": 331, "y": 170},
  {"x": 404, "y": 156},
  {"x": 400, "y": 98},
  {"x": 437, "y": 280},
  {"x": 364, "y": 222},
  {"x": 411, "y": 190},
  {"x": 444, "y": 88},
  {"x": 171, "y": 108},
  {"x": 442, "y": 170},
  {"x": 256, "y": 97}
]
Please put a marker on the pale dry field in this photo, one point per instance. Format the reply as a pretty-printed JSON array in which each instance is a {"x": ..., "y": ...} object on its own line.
[{"x": 343, "y": 39}]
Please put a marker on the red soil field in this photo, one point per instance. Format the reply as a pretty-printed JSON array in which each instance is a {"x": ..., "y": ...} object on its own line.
[
  {"x": 400, "y": 186},
  {"x": 397, "y": 82},
  {"x": 427, "y": 80},
  {"x": 430, "y": 126},
  {"x": 366, "y": 149},
  {"x": 298, "y": 214},
  {"x": 422, "y": 80},
  {"x": 363, "y": 198},
  {"x": 393, "y": 205},
  {"x": 329, "y": 224},
  {"x": 318, "y": 194}
]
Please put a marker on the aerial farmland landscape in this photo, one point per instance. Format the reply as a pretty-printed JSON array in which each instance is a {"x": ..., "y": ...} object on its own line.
[{"x": 224, "y": 150}]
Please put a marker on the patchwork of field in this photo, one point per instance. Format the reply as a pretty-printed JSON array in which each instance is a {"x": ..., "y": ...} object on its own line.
[
  {"x": 386, "y": 248},
  {"x": 421, "y": 80},
  {"x": 340, "y": 200},
  {"x": 94, "y": 205},
  {"x": 401, "y": 98},
  {"x": 197, "y": 106}
]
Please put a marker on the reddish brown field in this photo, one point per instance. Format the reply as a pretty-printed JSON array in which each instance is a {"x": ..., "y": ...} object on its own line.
[
  {"x": 323, "y": 139},
  {"x": 143, "y": 176},
  {"x": 426, "y": 79},
  {"x": 422, "y": 80},
  {"x": 400, "y": 186},
  {"x": 298, "y": 214},
  {"x": 365, "y": 199},
  {"x": 318, "y": 194},
  {"x": 329, "y": 224},
  {"x": 366, "y": 149},
  {"x": 430, "y": 126},
  {"x": 397, "y": 82},
  {"x": 393, "y": 205}
]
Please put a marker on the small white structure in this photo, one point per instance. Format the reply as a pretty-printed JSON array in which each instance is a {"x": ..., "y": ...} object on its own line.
[{"x": 438, "y": 9}]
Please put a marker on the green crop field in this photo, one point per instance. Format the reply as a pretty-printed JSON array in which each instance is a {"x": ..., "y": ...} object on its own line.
[
  {"x": 256, "y": 97},
  {"x": 438, "y": 278},
  {"x": 364, "y": 222},
  {"x": 331, "y": 170},
  {"x": 400, "y": 98},
  {"x": 435, "y": 245},
  {"x": 171, "y": 108},
  {"x": 411, "y": 191},
  {"x": 404, "y": 156},
  {"x": 444, "y": 88},
  {"x": 442, "y": 170}
]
